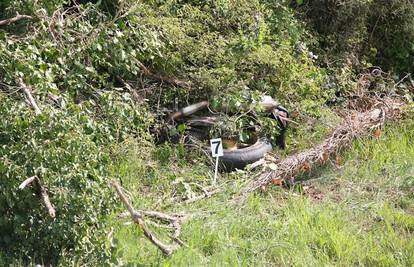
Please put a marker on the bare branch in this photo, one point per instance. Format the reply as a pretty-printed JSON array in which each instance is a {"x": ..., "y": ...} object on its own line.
[
  {"x": 137, "y": 217},
  {"x": 46, "y": 201},
  {"x": 13, "y": 20},
  {"x": 28, "y": 92},
  {"x": 27, "y": 182},
  {"x": 42, "y": 192},
  {"x": 207, "y": 194},
  {"x": 163, "y": 78}
]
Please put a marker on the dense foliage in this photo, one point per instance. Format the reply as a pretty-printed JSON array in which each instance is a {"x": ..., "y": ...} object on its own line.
[
  {"x": 70, "y": 152},
  {"x": 363, "y": 32},
  {"x": 101, "y": 72}
]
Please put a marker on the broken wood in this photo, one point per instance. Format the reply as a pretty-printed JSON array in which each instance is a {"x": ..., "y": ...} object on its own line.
[
  {"x": 27, "y": 90},
  {"x": 137, "y": 217},
  {"x": 355, "y": 125},
  {"x": 42, "y": 193},
  {"x": 14, "y": 19}
]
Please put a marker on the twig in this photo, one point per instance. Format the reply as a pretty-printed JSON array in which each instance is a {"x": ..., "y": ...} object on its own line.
[
  {"x": 42, "y": 191},
  {"x": 288, "y": 120},
  {"x": 27, "y": 182},
  {"x": 137, "y": 217},
  {"x": 207, "y": 194},
  {"x": 137, "y": 97},
  {"x": 13, "y": 20},
  {"x": 27, "y": 91},
  {"x": 159, "y": 215}
]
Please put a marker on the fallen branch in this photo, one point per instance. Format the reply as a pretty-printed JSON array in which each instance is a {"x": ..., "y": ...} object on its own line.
[
  {"x": 137, "y": 217},
  {"x": 13, "y": 20},
  {"x": 28, "y": 92},
  {"x": 207, "y": 194},
  {"x": 355, "y": 125},
  {"x": 162, "y": 78},
  {"x": 42, "y": 192}
]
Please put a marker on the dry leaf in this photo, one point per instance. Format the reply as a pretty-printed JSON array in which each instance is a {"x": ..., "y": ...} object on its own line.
[
  {"x": 272, "y": 166},
  {"x": 377, "y": 133},
  {"x": 338, "y": 161},
  {"x": 306, "y": 166},
  {"x": 324, "y": 157},
  {"x": 278, "y": 182}
]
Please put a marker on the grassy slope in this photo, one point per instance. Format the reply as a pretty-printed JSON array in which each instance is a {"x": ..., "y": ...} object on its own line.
[{"x": 361, "y": 213}]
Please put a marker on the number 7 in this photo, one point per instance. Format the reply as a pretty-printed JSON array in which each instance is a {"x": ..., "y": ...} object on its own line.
[{"x": 217, "y": 143}]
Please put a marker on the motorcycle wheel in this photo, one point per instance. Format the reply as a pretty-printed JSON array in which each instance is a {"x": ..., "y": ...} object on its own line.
[{"x": 237, "y": 158}]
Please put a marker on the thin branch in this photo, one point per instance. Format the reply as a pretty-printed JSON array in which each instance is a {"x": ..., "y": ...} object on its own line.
[
  {"x": 137, "y": 217},
  {"x": 207, "y": 194},
  {"x": 162, "y": 78},
  {"x": 13, "y": 20},
  {"x": 28, "y": 92},
  {"x": 42, "y": 192}
]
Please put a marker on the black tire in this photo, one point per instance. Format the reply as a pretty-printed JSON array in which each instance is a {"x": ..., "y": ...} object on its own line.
[
  {"x": 239, "y": 158},
  {"x": 231, "y": 159}
]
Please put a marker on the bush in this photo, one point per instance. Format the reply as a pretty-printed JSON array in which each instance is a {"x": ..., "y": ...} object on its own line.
[
  {"x": 341, "y": 25},
  {"x": 226, "y": 48},
  {"x": 391, "y": 35},
  {"x": 70, "y": 152},
  {"x": 377, "y": 33},
  {"x": 92, "y": 59},
  {"x": 71, "y": 165}
]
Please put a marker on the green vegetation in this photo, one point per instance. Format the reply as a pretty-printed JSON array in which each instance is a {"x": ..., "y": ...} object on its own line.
[
  {"x": 103, "y": 74},
  {"x": 363, "y": 33},
  {"x": 360, "y": 213}
]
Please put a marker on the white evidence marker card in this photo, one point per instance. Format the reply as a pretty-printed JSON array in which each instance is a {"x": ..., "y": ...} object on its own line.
[{"x": 216, "y": 146}]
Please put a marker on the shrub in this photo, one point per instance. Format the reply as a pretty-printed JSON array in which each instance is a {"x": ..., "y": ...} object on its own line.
[
  {"x": 375, "y": 32},
  {"x": 70, "y": 151},
  {"x": 391, "y": 35},
  {"x": 71, "y": 165},
  {"x": 92, "y": 59}
]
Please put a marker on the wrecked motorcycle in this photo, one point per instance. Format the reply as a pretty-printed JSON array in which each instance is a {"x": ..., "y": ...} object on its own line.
[{"x": 196, "y": 121}]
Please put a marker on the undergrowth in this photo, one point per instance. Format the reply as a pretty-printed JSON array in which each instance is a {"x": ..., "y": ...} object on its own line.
[
  {"x": 106, "y": 73},
  {"x": 360, "y": 212}
]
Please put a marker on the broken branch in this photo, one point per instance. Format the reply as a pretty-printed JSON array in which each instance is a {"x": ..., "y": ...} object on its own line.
[
  {"x": 137, "y": 217},
  {"x": 27, "y": 182},
  {"x": 14, "y": 19},
  {"x": 162, "y": 78},
  {"x": 42, "y": 192},
  {"x": 28, "y": 92},
  {"x": 207, "y": 194}
]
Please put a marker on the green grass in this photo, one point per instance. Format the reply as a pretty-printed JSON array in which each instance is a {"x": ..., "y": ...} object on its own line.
[{"x": 364, "y": 217}]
